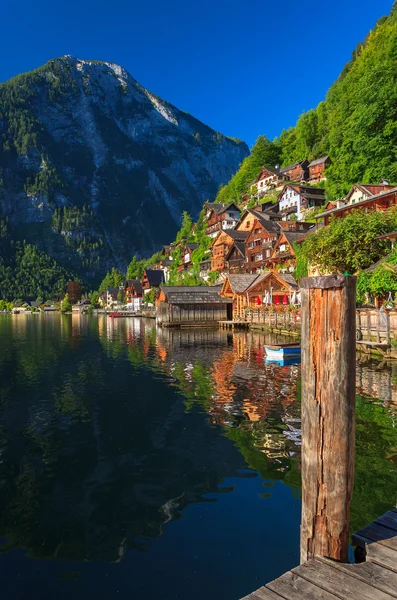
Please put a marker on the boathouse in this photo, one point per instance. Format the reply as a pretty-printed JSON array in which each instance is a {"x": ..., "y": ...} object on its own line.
[
  {"x": 178, "y": 306},
  {"x": 234, "y": 289}
]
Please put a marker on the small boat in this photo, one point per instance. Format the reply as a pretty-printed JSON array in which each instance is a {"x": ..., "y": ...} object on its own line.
[
  {"x": 116, "y": 315},
  {"x": 283, "y": 351}
]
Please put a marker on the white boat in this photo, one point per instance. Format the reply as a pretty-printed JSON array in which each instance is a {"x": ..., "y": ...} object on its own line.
[{"x": 282, "y": 351}]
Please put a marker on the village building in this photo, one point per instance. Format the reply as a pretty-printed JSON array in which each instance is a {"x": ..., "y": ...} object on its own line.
[
  {"x": 133, "y": 294},
  {"x": 272, "y": 288},
  {"x": 317, "y": 169},
  {"x": 295, "y": 226},
  {"x": 283, "y": 258},
  {"x": 380, "y": 200},
  {"x": 260, "y": 242},
  {"x": 234, "y": 288},
  {"x": 297, "y": 199},
  {"x": 152, "y": 278},
  {"x": 187, "y": 255},
  {"x": 221, "y": 246},
  {"x": 205, "y": 267},
  {"x": 109, "y": 296},
  {"x": 249, "y": 216},
  {"x": 235, "y": 258},
  {"x": 221, "y": 217},
  {"x": 298, "y": 171},
  {"x": 267, "y": 179},
  {"x": 178, "y": 306}
]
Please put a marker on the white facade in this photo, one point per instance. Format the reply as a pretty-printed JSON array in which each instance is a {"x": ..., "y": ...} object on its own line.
[
  {"x": 289, "y": 199},
  {"x": 357, "y": 196},
  {"x": 134, "y": 304}
]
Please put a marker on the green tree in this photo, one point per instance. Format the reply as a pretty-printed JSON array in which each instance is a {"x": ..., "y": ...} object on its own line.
[{"x": 66, "y": 305}]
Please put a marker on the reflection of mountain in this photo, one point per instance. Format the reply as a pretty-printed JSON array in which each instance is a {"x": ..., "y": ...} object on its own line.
[{"x": 109, "y": 428}]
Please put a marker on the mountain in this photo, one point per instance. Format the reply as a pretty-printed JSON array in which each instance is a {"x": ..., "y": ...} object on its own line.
[
  {"x": 356, "y": 125},
  {"x": 95, "y": 168}
]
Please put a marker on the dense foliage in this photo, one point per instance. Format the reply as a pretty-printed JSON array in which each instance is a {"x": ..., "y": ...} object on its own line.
[
  {"x": 349, "y": 244},
  {"x": 26, "y": 272}
]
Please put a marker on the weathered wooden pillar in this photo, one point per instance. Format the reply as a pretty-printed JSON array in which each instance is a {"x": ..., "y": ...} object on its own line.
[{"x": 328, "y": 414}]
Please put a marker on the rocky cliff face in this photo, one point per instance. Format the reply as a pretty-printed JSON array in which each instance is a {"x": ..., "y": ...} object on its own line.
[{"x": 95, "y": 168}]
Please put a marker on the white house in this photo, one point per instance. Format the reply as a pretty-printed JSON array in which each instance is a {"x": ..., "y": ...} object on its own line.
[{"x": 295, "y": 199}]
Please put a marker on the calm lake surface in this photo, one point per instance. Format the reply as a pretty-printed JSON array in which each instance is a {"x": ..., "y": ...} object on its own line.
[{"x": 161, "y": 464}]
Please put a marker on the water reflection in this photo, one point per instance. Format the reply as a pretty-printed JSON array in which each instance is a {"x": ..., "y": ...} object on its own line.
[{"x": 109, "y": 429}]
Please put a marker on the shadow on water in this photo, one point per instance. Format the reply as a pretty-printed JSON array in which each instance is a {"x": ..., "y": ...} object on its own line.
[{"x": 111, "y": 431}]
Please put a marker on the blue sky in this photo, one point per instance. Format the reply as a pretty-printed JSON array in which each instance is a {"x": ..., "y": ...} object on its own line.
[{"x": 244, "y": 67}]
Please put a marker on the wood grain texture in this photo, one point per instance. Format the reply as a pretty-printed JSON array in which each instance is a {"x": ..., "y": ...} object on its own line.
[
  {"x": 328, "y": 415},
  {"x": 292, "y": 587}
]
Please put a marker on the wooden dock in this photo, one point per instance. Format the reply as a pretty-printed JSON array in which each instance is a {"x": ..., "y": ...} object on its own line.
[
  {"x": 233, "y": 324},
  {"x": 325, "y": 579}
]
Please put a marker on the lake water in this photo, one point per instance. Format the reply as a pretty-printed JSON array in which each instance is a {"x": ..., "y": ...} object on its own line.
[{"x": 164, "y": 464}]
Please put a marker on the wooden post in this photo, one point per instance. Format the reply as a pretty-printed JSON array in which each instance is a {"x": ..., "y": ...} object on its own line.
[
  {"x": 387, "y": 316},
  {"x": 378, "y": 325},
  {"x": 368, "y": 325},
  {"x": 328, "y": 414}
]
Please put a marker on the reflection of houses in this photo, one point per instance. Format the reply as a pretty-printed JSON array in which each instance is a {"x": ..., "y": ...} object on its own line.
[
  {"x": 296, "y": 199},
  {"x": 221, "y": 246},
  {"x": 221, "y": 217},
  {"x": 152, "y": 278},
  {"x": 362, "y": 197},
  {"x": 182, "y": 305},
  {"x": 317, "y": 169},
  {"x": 283, "y": 255}
]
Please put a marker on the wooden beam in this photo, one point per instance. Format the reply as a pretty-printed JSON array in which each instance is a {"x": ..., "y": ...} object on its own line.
[{"x": 328, "y": 414}]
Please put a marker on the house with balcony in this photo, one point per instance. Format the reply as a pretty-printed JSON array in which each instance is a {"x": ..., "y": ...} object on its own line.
[
  {"x": 250, "y": 215},
  {"x": 268, "y": 178},
  {"x": 235, "y": 258},
  {"x": 133, "y": 294},
  {"x": 152, "y": 278},
  {"x": 221, "y": 217},
  {"x": 221, "y": 246},
  {"x": 283, "y": 257},
  {"x": 317, "y": 169},
  {"x": 361, "y": 197},
  {"x": 296, "y": 199},
  {"x": 298, "y": 171},
  {"x": 260, "y": 242}
]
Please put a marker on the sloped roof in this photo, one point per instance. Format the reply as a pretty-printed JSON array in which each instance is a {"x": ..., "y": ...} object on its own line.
[
  {"x": 192, "y": 246},
  {"x": 357, "y": 205},
  {"x": 379, "y": 262},
  {"x": 178, "y": 294},
  {"x": 294, "y": 236},
  {"x": 237, "y": 235},
  {"x": 290, "y": 167},
  {"x": 270, "y": 226},
  {"x": 318, "y": 161},
  {"x": 240, "y": 283},
  {"x": 137, "y": 284},
  {"x": 240, "y": 246},
  {"x": 287, "y": 278},
  {"x": 155, "y": 277}
]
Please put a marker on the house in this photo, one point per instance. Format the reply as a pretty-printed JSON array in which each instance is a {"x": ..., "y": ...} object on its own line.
[
  {"x": 205, "y": 267},
  {"x": 198, "y": 305},
  {"x": 295, "y": 226},
  {"x": 235, "y": 258},
  {"x": 111, "y": 297},
  {"x": 272, "y": 288},
  {"x": 267, "y": 179},
  {"x": 187, "y": 254},
  {"x": 221, "y": 217},
  {"x": 81, "y": 305},
  {"x": 234, "y": 288},
  {"x": 298, "y": 171},
  {"x": 133, "y": 293},
  {"x": 249, "y": 216},
  {"x": 260, "y": 242},
  {"x": 221, "y": 246},
  {"x": 296, "y": 199},
  {"x": 152, "y": 278},
  {"x": 382, "y": 200},
  {"x": 317, "y": 169},
  {"x": 283, "y": 256}
]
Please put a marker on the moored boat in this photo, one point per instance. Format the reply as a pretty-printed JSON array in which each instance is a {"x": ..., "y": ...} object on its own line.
[{"x": 283, "y": 351}]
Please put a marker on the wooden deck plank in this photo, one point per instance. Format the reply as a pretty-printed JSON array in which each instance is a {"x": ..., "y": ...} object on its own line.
[
  {"x": 291, "y": 586},
  {"x": 381, "y": 555},
  {"x": 373, "y": 574},
  {"x": 262, "y": 594},
  {"x": 335, "y": 581},
  {"x": 378, "y": 533}
]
